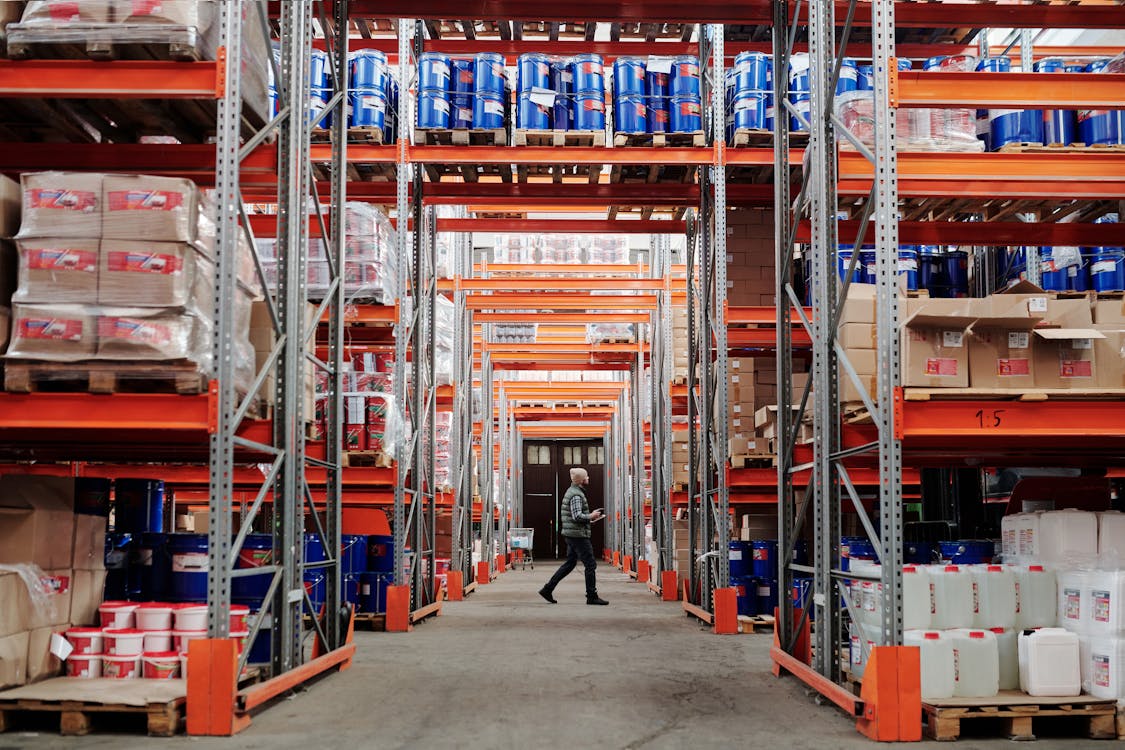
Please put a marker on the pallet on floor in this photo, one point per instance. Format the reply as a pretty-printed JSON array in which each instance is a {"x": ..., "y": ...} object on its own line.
[
  {"x": 370, "y": 621},
  {"x": 460, "y": 137},
  {"x": 1018, "y": 714},
  {"x": 557, "y": 138},
  {"x": 104, "y": 377},
  {"x": 366, "y": 459},
  {"x": 1013, "y": 394},
  {"x": 85, "y": 706},
  {"x": 105, "y": 41},
  {"x": 755, "y": 623},
  {"x": 698, "y": 139}
]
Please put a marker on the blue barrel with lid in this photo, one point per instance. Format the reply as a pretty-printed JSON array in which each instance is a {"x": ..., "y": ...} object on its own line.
[
  {"x": 488, "y": 111},
  {"x": 139, "y": 506},
  {"x": 930, "y": 265},
  {"x": 752, "y": 72},
  {"x": 353, "y": 553},
  {"x": 589, "y": 74},
  {"x": 1078, "y": 277},
  {"x": 433, "y": 108},
  {"x": 118, "y": 549},
  {"x": 749, "y": 109},
  {"x": 868, "y": 260},
  {"x": 1100, "y": 127},
  {"x": 801, "y": 548},
  {"x": 865, "y": 78},
  {"x": 629, "y": 77},
  {"x": 461, "y": 110},
  {"x": 151, "y": 567},
  {"x": 589, "y": 110},
  {"x": 684, "y": 79},
  {"x": 967, "y": 551},
  {"x": 367, "y": 69},
  {"x": 1058, "y": 124},
  {"x": 740, "y": 556},
  {"x": 918, "y": 553},
  {"x": 531, "y": 115},
  {"x": 1010, "y": 125},
  {"x": 630, "y": 114},
  {"x": 657, "y": 84},
  {"x": 189, "y": 567},
  {"x": 767, "y": 596},
  {"x": 369, "y": 109},
  {"x": 798, "y": 90},
  {"x": 849, "y": 76},
  {"x": 256, "y": 552},
  {"x": 746, "y": 592},
  {"x": 380, "y": 553},
  {"x": 843, "y": 259},
  {"x": 765, "y": 558},
  {"x": 488, "y": 75},
  {"x": 1107, "y": 269},
  {"x": 562, "y": 82},
  {"x": 1052, "y": 277},
  {"x": 320, "y": 73},
  {"x": 373, "y": 591},
  {"x": 686, "y": 114},
  {"x": 957, "y": 268},
  {"x": 533, "y": 70},
  {"x": 434, "y": 71},
  {"x": 908, "y": 266},
  {"x": 802, "y": 595},
  {"x": 658, "y": 116}
]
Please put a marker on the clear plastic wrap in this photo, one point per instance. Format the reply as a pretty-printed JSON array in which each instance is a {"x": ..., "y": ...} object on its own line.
[
  {"x": 40, "y": 592},
  {"x": 190, "y": 28},
  {"x": 608, "y": 249},
  {"x": 598, "y": 333},
  {"x": 444, "y": 317},
  {"x": 514, "y": 248},
  {"x": 384, "y": 424},
  {"x": 514, "y": 333},
  {"x": 917, "y": 129},
  {"x": 562, "y": 249}
]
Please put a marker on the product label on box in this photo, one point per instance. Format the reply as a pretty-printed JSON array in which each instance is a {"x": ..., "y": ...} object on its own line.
[
  {"x": 148, "y": 7},
  {"x": 189, "y": 562},
  {"x": 761, "y": 554},
  {"x": 1013, "y": 367},
  {"x": 57, "y": 259},
  {"x": 55, "y": 584},
  {"x": 952, "y": 339},
  {"x": 1101, "y": 606},
  {"x": 1103, "y": 266},
  {"x": 493, "y": 107},
  {"x": 1076, "y": 368},
  {"x": 1037, "y": 304},
  {"x": 52, "y": 329},
  {"x": 130, "y": 262},
  {"x": 1019, "y": 339},
  {"x": 976, "y": 599},
  {"x": 1072, "y": 604},
  {"x": 145, "y": 200},
  {"x": 593, "y": 105},
  {"x": 63, "y": 200},
  {"x": 944, "y": 367},
  {"x": 1083, "y": 344},
  {"x": 1101, "y": 670},
  {"x": 141, "y": 331},
  {"x": 736, "y": 554}
]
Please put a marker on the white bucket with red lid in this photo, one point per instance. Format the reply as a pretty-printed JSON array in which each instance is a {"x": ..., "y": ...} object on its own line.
[
  {"x": 158, "y": 641},
  {"x": 154, "y": 616},
  {"x": 121, "y": 667},
  {"x": 161, "y": 665},
  {"x": 117, "y": 614},
  {"x": 123, "y": 641},
  {"x": 181, "y": 638},
  {"x": 191, "y": 617},
  {"x": 85, "y": 641},
  {"x": 238, "y": 615},
  {"x": 84, "y": 666}
]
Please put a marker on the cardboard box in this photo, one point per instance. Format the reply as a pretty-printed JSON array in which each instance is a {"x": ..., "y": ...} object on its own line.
[
  {"x": 859, "y": 307},
  {"x": 41, "y": 663},
  {"x": 1068, "y": 313},
  {"x": 856, "y": 335},
  {"x": 9, "y": 193},
  {"x": 156, "y": 334},
  {"x": 87, "y": 588},
  {"x": 61, "y": 333},
  {"x": 62, "y": 204},
  {"x": 935, "y": 352},
  {"x": 160, "y": 209},
  {"x": 1109, "y": 312},
  {"x": 51, "y": 604},
  {"x": 178, "y": 12},
  {"x": 89, "y": 542},
  {"x": 36, "y": 512},
  {"x": 1065, "y": 357},
  {"x": 13, "y": 660},
  {"x": 58, "y": 13},
  {"x": 12, "y": 619},
  {"x": 53, "y": 270},
  {"x": 1109, "y": 352},
  {"x": 154, "y": 274},
  {"x": 1001, "y": 357}
]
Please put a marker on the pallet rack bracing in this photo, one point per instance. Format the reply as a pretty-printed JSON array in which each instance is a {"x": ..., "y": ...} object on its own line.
[
  {"x": 463, "y": 460},
  {"x": 660, "y": 419}
]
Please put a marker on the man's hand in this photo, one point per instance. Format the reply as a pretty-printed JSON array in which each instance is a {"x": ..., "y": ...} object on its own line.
[{"x": 597, "y": 515}]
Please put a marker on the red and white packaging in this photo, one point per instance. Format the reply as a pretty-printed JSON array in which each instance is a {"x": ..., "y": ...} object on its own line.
[
  {"x": 84, "y": 666},
  {"x": 191, "y": 617},
  {"x": 117, "y": 614},
  {"x": 154, "y": 616},
  {"x": 238, "y": 615},
  {"x": 85, "y": 641},
  {"x": 121, "y": 667},
  {"x": 123, "y": 641},
  {"x": 181, "y": 638},
  {"x": 157, "y": 641},
  {"x": 160, "y": 665}
]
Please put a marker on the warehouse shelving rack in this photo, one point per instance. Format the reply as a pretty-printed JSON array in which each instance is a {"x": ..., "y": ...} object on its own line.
[{"x": 904, "y": 431}]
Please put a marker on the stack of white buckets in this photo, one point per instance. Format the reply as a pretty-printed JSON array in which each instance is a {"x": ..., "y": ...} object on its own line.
[{"x": 1048, "y": 621}]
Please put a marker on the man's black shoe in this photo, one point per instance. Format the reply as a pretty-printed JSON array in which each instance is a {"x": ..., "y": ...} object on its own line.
[
  {"x": 547, "y": 595},
  {"x": 596, "y": 600}
]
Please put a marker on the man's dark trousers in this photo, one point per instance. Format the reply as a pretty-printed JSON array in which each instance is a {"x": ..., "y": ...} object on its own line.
[{"x": 577, "y": 548}]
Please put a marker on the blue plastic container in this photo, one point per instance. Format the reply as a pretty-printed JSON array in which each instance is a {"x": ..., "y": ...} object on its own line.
[
  {"x": 767, "y": 596},
  {"x": 369, "y": 109},
  {"x": 629, "y": 114},
  {"x": 855, "y": 548},
  {"x": 931, "y": 265},
  {"x": 532, "y": 116},
  {"x": 746, "y": 591},
  {"x": 918, "y": 553},
  {"x": 434, "y": 71},
  {"x": 684, "y": 78},
  {"x": 589, "y": 110},
  {"x": 904, "y": 64},
  {"x": 461, "y": 110},
  {"x": 801, "y": 549},
  {"x": 151, "y": 566},
  {"x": 319, "y": 115},
  {"x": 256, "y": 552},
  {"x": 562, "y": 82},
  {"x": 659, "y": 100},
  {"x": 843, "y": 258},
  {"x": 189, "y": 567},
  {"x": 589, "y": 74},
  {"x": 367, "y": 69},
  {"x": 349, "y": 592},
  {"x": 967, "y": 551},
  {"x": 489, "y": 76},
  {"x": 320, "y": 72},
  {"x": 260, "y": 648},
  {"x": 139, "y": 506},
  {"x": 533, "y": 71},
  {"x": 849, "y": 76},
  {"x": 353, "y": 553},
  {"x": 629, "y": 77},
  {"x": 380, "y": 553},
  {"x": 802, "y": 594},
  {"x": 314, "y": 549},
  {"x": 1052, "y": 278},
  {"x": 740, "y": 556},
  {"x": 488, "y": 111},
  {"x": 373, "y": 591},
  {"x": 118, "y": 548},
  {"x": 908, "y": 265},
  {"x": 1010, "y": 125},
  {"x": 957, "y": 268},
  {"x": 865, "y": 78},
  {"x": 1058, "y": 124},
  {"x": 750, "y": 109},
  {"x": 316, "y": 586},
  {"x": 91, "y": 496},
  {"x": 1078, "y": 277},
  {"x": 868, "y": 258},
  {"x": 765, "y": 558},
  {"x": 752, "y": 72},
  {"x": 686, "y": 115},
  {"x": 1100, "y": 126},
  {"x": 1107, "y": 269},
  {"x": 433, "y": 108}
]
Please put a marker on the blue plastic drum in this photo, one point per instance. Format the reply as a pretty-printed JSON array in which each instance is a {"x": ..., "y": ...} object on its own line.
[
  {"x": 686, "y": 114},
  {"x": 349, "y": 592},
  {"x": 369, "y": 110},
  {"x": 659, "y": 100},
  {"x": 749, "y": 109},
  {"x": 434, "y": 108},
  {"x": 931, "y": 265},
  {"x": 367, "y": 69},
  {"x": 918, "y": 553},
  {"x": 314, "y": 549},
  {"x": 967, "y": 551},
  {"x": 752, "y": 72},
  {"x": 373, "y": 591},
  {"x": 1078, "y": 277},
  {"x": 868, "y": 260},
  {"x": 802, "y": 594},
  {"x": 589, "y": 74},
  {"x": 629, "y": 114},
  {"x": 629, "y": 77},
  {"x": 685, "y": 76},
  {"x": 849, "y": 76},
  {"x": 489, "y": 76},
  {"x": 461, "y": 75},
  {"x": 767, "y": 596},
  {"x": 801, "y": 548},
  {"x": 531, "y": 115},
  {"x": 118, "y": 549},
  {"x": 189, "y": 567},
  {"x": 152, "y": 567},
  {"x": 461, "y": 110},
  {"x": 1010, "y": 125},
  {"x": 740, "y": 556},
  {"x": 316, "y": 586},
  {"x": 1100, "y": 126},
  {"x": 380, "y": 553},
  {"x": 1107, "y": 269},
  {"x": 256, "y": 552},
  {"x": 562, "y": 82},
  {"x": 865, "y": 78},
  {"x": 746, "y": 592},
  {"x": 957, "y": 268},
  {"x": 434, "y": 71},
  {"x": 139, "y": 505},
  {"x": 320, "y": 73},
  {"x": 908, "y": 265},
  {"x": 353, "y": 553},
  {"x": 589, "y": 110},
  {"x": 488, "y": 111},
  {"x": 765, "y": 558},
  {"x": 1058, "y": 124},
  {"x": 843, "y": 258},
  {"x": 1052, "y": 278},
  {"x": 533, "y": 71}
]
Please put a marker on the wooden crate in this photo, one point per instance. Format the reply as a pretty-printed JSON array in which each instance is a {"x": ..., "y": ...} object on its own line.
[
  {"x": 104, "y": 377},
  {"x": 85, "y": 706}
]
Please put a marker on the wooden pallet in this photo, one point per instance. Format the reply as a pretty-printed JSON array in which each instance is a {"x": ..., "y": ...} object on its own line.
[
  {"x": 1058, "y": 148},
  {"x": 761, "y": 138},
  {"x": 370, "y": 621},
  {"x": 753, "y": 461},
  {"x": 1015, "y": 715},
  {"x": 368, "y": 459},
  {"x": 557, "y": 138},
  {"x": 104, "y": 377},
  {"x": 105, "y": 41},
  {"x": 617, "y": 340},
  {"x": 1013, "y": 394},
  {"x": 460, "y": 137},
  {"x": 98, "y": 705},
  {"x": 697, "y": 139},
  {"x": 755, "y": 623},
  {"x": 1087, "y": 295}
]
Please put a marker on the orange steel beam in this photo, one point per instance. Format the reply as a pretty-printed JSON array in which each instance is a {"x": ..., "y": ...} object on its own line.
[
  {"x": 567, "y": 268},
  {"x": 838, "y": 694},
  {"x": 1010, "y": 421},
  {"x": 540, "y": 283},
  {"x": 756, "y": 314},
  {"x": 537, "y": 412},
  {"x": 1095, "y": 175},
  {"x": 572, "y": 226},
  {"x": 260, "y": 694},
  {"x": 547, "y": 429},
  {"x": 764, "y": 338},
  {"x": 560, "y": 301},
  {"x": 575, "y": 348},
  {"x": 557, "y": 317},
  {"x": 1003, "y": 233},
  {"x": 116, "y": 79},
  {"x": 188, "y": 160},
  {"x": 1016, "y": 90},
  {"x": 565, "y": 155}
]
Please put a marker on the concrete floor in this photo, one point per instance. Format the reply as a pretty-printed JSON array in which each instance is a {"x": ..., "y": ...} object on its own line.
[{"x": 504, "y": 669}]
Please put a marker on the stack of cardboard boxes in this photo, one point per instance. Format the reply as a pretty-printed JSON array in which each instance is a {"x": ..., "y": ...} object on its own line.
[
  {"x": 679, "y": 343},
  {"x": 52, "y": 572},
  {"x": 9, "y": 225},
  {"x": 741, "y": 390},
  {"x": 681, "y": 467},
  {"x": 751, "y": 274},
  {"x": 681, "y": 548}
]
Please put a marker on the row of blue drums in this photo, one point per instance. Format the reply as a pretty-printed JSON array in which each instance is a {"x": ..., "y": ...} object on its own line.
[
  {"x": 753, "y": 573},
  {"x": 943, "y": 272},
  {"x": 1072, "y": 269},
  {"x": 174, "y": 568},
  {"x": 462, "y": 92},
  {"x": 954, "y": 552},
  {"x": 657, "y": 95},
  {"x": 560, "y": 93}
]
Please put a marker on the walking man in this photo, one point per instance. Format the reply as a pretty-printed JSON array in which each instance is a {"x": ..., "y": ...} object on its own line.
[{"x": 576, "y": 520}]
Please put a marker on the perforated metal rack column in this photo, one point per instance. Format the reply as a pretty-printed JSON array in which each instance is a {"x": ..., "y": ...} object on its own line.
[
  {"x": 462, "y": 460},
  {"x": 660, "y": 365}
]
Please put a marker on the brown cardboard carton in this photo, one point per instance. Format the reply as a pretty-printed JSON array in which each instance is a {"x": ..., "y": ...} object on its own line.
[
  {"x": 51, "y": 603},
  {"x": 935, "y": 352},
  {"x": 13, "y": 660},
  {"x": 154, "y": 274},
  {"x": 89, "y": 542},
  {"x": 53, "y": 332},
  {"x": 1109, "y": 312},
  {"x": 61, "y": 204},
  {"x": 856, "y": 335},
  {"x": 41, "y": 663},
  {"x": 52, "y": 270},
  {"x": 12, "y": 619},
  {"x": 35, "y": 513},
  {"x": 860, "y": 304},
  {"x": 62, "y": 12},
  {"x": 1065, "y": 357},
  {"x": 148, "y": 334},
  {"x": 9, "y": 195},
  {"x": 1109, "y": 352},
  {"x": 1068, "y": 313},
  {"x": 86, "y": 589},
  {"x": 160, "y": 209},
  {"x": 1000, "y": 343}
]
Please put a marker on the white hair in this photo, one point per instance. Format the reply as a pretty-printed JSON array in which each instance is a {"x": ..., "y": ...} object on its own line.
[{"x": 577, "y": 474}]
